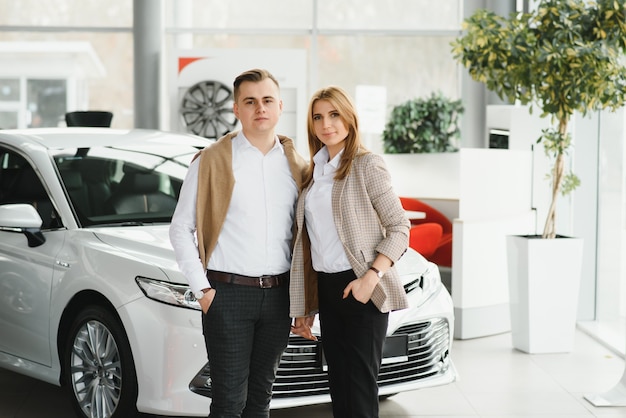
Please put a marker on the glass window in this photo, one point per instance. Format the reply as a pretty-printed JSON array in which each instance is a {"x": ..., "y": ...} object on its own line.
[
  {"x": 9, "y": 89},
  {"x": 232, "y": 41},
  {"x": 407, "y": 67},
  {"x": 46, "y": 101},
  {"x": 390, "y": 15},
  {"x": 66, "y": 13},
  {"x": 8, "y": 120},
  {"x": 113, "y": 92},
  {"x": 124, "y": 184},
  {"x": 240, "y": 14},
  {"x": 110, "y": 90},
  {"x": 20, "y": 183}
]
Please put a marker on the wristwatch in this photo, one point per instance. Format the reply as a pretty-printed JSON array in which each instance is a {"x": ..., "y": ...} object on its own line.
[
  {"x": 200, "y": 293},
  {"x": 379, "y": 273}
]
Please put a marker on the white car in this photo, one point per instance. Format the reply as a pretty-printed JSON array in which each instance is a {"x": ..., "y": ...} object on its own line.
[{"x": 91, "y": 297}]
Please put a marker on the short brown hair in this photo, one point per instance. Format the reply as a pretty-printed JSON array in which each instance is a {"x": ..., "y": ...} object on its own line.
[{"x": 255, "y": 75}]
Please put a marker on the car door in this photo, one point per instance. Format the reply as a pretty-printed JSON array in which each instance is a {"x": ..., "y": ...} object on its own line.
[{"x": 26, "y": 272}]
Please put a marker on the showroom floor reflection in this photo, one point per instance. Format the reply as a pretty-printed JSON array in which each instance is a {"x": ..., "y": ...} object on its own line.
[{"x": 495, "y": 381}]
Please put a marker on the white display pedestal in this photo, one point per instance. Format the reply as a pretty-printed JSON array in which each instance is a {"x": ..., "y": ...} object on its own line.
[{"x": 544, "y": 278}]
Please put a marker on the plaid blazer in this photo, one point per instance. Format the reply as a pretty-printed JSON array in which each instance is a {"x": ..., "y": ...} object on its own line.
[{"x": 369, "y": 219}]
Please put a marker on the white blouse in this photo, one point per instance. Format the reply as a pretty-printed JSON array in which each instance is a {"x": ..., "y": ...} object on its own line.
[{"x": 327, "y": 252}]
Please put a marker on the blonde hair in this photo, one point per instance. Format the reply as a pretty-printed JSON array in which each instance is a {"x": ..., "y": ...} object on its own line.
[{"x": 342, "y": 102}]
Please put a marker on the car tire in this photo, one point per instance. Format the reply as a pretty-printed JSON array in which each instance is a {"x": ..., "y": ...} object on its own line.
[{"x": 98, "y": 366}]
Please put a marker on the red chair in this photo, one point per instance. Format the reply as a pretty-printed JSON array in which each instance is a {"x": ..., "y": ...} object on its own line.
[
  {"x": 442, "y": 255},
  {"x": 425, "y": 238}
]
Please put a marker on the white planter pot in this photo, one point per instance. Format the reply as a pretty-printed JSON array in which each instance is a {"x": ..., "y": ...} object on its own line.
[{"x": 544, "y": 279}]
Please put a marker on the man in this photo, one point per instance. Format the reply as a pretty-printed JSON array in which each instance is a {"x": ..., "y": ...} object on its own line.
[{"x": 239, "y": 198}]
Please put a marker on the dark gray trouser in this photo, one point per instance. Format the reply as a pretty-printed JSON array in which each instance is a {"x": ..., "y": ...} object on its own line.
[
  {"x": 246, "y": 331},
  {"x": 352, "y": 337}
]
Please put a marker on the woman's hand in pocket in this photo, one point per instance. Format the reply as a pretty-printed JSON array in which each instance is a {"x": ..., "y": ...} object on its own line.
[{"x": 362, "y": 288}]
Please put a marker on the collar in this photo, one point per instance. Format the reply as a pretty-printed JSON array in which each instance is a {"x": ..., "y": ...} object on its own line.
[
  {"x": 321, "y": 157},
  {"x": 240, "y": 142}
]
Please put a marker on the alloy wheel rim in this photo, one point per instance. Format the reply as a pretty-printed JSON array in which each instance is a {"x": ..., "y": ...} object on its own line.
[
  {"x": 96, "y": 372},
  {"x": 207, "y": 109}
]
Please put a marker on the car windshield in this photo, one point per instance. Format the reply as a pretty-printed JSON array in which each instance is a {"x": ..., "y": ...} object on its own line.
[{"x": 123, "y": 185}]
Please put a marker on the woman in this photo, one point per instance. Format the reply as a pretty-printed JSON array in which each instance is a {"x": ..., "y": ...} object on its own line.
[{"x": 351, "y": 230}]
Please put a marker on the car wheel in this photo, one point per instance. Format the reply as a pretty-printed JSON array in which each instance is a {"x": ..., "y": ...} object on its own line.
[
  {"x": 207, "y": 109},
  {"x": 98, "y": 366}
]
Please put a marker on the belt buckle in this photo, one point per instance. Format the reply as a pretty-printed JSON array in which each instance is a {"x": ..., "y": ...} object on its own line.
[{"x": 262, "y": 282}]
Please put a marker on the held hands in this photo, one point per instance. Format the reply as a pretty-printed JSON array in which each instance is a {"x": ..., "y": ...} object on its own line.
[
  {"x": 206, "y": 301},
  {"x": 302, "y": 327}
]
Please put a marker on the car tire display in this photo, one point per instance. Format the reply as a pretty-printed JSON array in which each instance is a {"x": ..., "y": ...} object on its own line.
[
  {"x": 98, "y": 364},
  {"x": 206, "y": 109}
]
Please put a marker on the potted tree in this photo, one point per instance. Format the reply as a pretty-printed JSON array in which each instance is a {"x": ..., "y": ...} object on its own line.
[
  {"x": 423, "y": 125},
  {"x": 563, "y": 57}
]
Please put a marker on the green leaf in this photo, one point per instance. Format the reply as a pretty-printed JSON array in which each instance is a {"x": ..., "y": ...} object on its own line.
[
  {"x": 565, "y": 56},
  {"x": 429, "y": 124}
]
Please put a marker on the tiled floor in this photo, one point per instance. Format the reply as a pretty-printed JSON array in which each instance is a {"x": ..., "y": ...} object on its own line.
[
  {"x": 612, "y": 333},
  {"x": 495, "y": 381}
]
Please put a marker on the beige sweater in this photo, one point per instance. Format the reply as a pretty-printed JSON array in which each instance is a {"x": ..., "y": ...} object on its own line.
[{"x": 216, "y": 183}]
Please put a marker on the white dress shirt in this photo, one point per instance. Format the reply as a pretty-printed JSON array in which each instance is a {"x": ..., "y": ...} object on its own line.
[
  {"x": 327, "y": 252},
  {"x": 256, "y": 236}
]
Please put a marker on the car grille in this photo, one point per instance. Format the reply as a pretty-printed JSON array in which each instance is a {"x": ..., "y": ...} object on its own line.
[{"x": 301, "y": 371}]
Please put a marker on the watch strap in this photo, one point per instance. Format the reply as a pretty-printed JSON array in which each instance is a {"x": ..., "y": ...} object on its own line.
[{"x": 379, "y": 273}]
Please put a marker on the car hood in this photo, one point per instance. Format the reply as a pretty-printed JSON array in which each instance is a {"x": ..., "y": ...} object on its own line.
[{"x": 150, "y": 244}]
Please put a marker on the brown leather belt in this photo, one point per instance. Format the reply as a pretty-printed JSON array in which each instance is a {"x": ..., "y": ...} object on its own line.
[{"x": 262, "y": 282}]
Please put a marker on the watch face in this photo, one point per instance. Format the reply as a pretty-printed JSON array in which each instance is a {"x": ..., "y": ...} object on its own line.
[{"x": 379, "y": 273}]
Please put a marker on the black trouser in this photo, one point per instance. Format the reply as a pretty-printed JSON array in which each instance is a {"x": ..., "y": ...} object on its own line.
[
  {"x": 246, "y": 331},
  {"x": 352, "y": 336}
]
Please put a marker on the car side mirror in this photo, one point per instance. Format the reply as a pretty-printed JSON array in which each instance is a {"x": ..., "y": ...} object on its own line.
[{"x": 24, "y": 219}]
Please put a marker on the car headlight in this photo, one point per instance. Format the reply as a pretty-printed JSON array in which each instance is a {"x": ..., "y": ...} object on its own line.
[
  {"x": 166, "y": 292},
  {"x": 425, "y": 285}
]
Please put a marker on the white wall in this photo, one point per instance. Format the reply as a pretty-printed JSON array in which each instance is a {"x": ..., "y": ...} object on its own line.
[{"x": 491, "y": 189}]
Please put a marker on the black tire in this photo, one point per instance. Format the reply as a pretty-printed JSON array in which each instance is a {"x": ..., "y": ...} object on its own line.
[{"x": 102, "y": 383}]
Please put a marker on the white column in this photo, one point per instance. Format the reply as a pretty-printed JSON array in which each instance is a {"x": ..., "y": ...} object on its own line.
[{"x": 147, "y": 34}]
